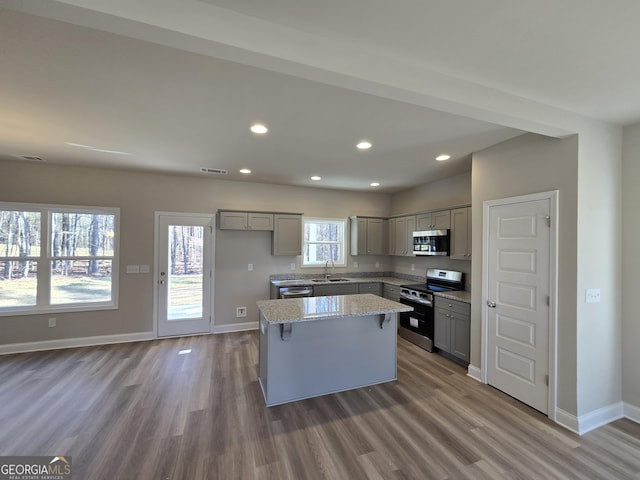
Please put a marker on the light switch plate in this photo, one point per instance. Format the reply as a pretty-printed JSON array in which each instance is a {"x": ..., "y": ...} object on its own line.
[
  {"x": 592, "y": 295},
  {"x": 250, "y": 267},
  {"x": 133, "y": 268},
  {"x": 145, "y": 269}
]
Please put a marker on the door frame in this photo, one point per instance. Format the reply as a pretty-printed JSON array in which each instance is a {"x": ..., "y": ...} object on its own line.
[
  {"x": 156, "y": 253},
  {"x": 552, "y": 196}
]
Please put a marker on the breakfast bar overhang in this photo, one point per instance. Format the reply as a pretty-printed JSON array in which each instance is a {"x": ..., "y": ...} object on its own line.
[{"x": 315, "y": 346}]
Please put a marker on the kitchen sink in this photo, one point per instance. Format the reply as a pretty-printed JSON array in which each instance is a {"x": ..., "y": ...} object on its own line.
[{"x": 330, "y": 280}]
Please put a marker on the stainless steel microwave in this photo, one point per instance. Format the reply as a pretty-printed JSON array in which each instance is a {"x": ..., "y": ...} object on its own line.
[{"x": 431, "y": 242}]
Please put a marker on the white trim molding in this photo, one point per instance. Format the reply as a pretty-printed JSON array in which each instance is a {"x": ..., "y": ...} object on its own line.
[
  {"x": 631, "y": 412},
  {"x": 592, "y": 420},
  {"x": 75, "y": 342},
  {"x": 552, "y": 196},
  {"x": 235, "y": 327},
  {"x": 475, "y": 373},
  {"x": 26, "y": 347}
]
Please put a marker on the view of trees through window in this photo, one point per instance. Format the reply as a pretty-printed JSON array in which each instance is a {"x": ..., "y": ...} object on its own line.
[
  {"x": 79, "y": 259},
  {"x": 323, "y": 241},
  {"x": 186, "y": 260}
]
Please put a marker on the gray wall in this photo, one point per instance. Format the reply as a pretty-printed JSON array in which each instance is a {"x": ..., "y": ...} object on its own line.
[
  {"x": 445, "y": 193},
  {"x": 529, "y": 164},
  {"x": 139, "y": 195},
  {"x": 631, "y": 267}
]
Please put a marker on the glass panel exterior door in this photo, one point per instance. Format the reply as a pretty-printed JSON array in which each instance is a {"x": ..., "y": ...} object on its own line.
[{"x": 183, "y": 274}]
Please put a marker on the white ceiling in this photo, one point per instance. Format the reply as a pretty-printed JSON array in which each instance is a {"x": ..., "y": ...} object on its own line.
[{"x": 176, "y": 83}]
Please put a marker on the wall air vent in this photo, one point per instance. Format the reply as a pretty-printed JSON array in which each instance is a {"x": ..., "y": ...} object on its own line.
[
  {"x": 31, "y": 158},
  {"x": 214, "y": 171}
]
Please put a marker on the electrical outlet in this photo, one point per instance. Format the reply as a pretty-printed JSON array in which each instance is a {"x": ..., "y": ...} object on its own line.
[
  {"x": 250, "y": 267},
  {"x": 52, "y": 322},
  {"x": 377, "y": 264},
  {"x": 355, "y": 264},
  {"x": 413, "y": 267},
  {"x": 241, "y": 312},
  {"x": 293, "y": 266}
]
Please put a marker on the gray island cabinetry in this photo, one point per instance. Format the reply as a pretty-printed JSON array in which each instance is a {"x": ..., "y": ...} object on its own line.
[{"x": 319, "y": 345}]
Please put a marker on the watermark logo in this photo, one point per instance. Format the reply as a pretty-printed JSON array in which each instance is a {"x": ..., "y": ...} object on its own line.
[{"x": 35, "y": 468}]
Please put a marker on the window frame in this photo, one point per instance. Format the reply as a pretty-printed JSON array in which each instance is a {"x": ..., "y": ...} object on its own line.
[
  {"x": 44, "y": 260},
  {"x": 343, "y": 244}
]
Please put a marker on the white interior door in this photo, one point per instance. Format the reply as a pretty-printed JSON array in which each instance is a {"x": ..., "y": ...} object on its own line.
[
  {"x": 184, "y": 252},
  {"x": 518, "y": 295}
]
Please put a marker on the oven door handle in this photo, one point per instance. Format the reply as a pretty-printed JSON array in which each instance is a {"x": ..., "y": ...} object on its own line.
[{"x": 428, "y": 303}]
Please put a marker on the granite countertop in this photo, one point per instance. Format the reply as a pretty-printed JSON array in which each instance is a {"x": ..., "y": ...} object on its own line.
[
  {"x": 460, "y": 295},
  {"x": 308, "y": 309},
  {"x": 307, "y": 282}
]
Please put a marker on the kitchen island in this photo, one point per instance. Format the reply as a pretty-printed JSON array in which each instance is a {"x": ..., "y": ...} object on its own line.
[{"x": 319, "y": 345}]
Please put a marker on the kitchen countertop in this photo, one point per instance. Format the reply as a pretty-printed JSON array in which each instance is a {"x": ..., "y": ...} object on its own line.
[
  {"x": 307, "y": 282},
  {"x": 308, "y": 309},
  {"x": 460, "y": 295}
]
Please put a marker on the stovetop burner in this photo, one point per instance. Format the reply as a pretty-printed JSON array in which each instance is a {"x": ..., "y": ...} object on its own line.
[{"x": 438, "y": 281}]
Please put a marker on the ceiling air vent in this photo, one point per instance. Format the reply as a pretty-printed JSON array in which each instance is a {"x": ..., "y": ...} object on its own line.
[
  {"x": 31, "y": 158},
  {"x": 214, "y": 171}
]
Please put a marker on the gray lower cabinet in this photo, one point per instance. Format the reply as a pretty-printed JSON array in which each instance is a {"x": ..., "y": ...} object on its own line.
[
  {"x": 452, "y": 322},
  {"x": 323, "y": 290},
  {"x": 375, "y": 288},
  {"x": 391, "y": 292}
]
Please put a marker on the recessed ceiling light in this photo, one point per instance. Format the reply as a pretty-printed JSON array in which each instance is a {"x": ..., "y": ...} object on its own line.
[
  {"x": 259, "y": 129},
  {"x": 443, "y": 157},
  {"x": 245, "y": 171},
  {"x": 315, "y": 178},
  {"x": 364, "y": 145},
  {"x": 375, "y": 184}
]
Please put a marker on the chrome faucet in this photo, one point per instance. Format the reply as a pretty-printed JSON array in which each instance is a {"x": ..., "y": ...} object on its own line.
[{"x": 326, "y": 268}]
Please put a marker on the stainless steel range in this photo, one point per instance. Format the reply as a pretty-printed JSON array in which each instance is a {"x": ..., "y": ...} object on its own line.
[{"x": 418, "y": 326}]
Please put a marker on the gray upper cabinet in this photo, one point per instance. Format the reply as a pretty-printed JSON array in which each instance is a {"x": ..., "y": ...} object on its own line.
[
  {"x": 461, "y": 233},
  {"x": 403, "y": 235},
  {"x": 287, "y": 234},
  {"x": 391, "y": 236},
  {"x": 440, "y": 220},
  {"x": 235, "y": 220},
  {"x": 368, "y": 236}
]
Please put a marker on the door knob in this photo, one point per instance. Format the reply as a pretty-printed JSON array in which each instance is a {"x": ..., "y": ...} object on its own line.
[{"x": 491, "y": 304}]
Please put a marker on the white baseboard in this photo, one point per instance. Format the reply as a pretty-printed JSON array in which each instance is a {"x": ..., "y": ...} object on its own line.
[
  {"x": 75, "y": 342},
  {"x": 235, "y": 327},
  {"x": 567, "y": 420},
  {"x": 632, "y": 412},
  {"x": 475, "y": 373},
  {"x": 592, "y": 420},
  {"x": 106, "y": 339}
]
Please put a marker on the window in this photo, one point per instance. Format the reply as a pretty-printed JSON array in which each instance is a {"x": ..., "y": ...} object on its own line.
[
  {"x": 324, "y": 240},
  {"x": 57, "y": 258}
]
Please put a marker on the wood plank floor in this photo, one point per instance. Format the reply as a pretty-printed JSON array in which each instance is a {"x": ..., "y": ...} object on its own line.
[{"x": 145, "y": 411}]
